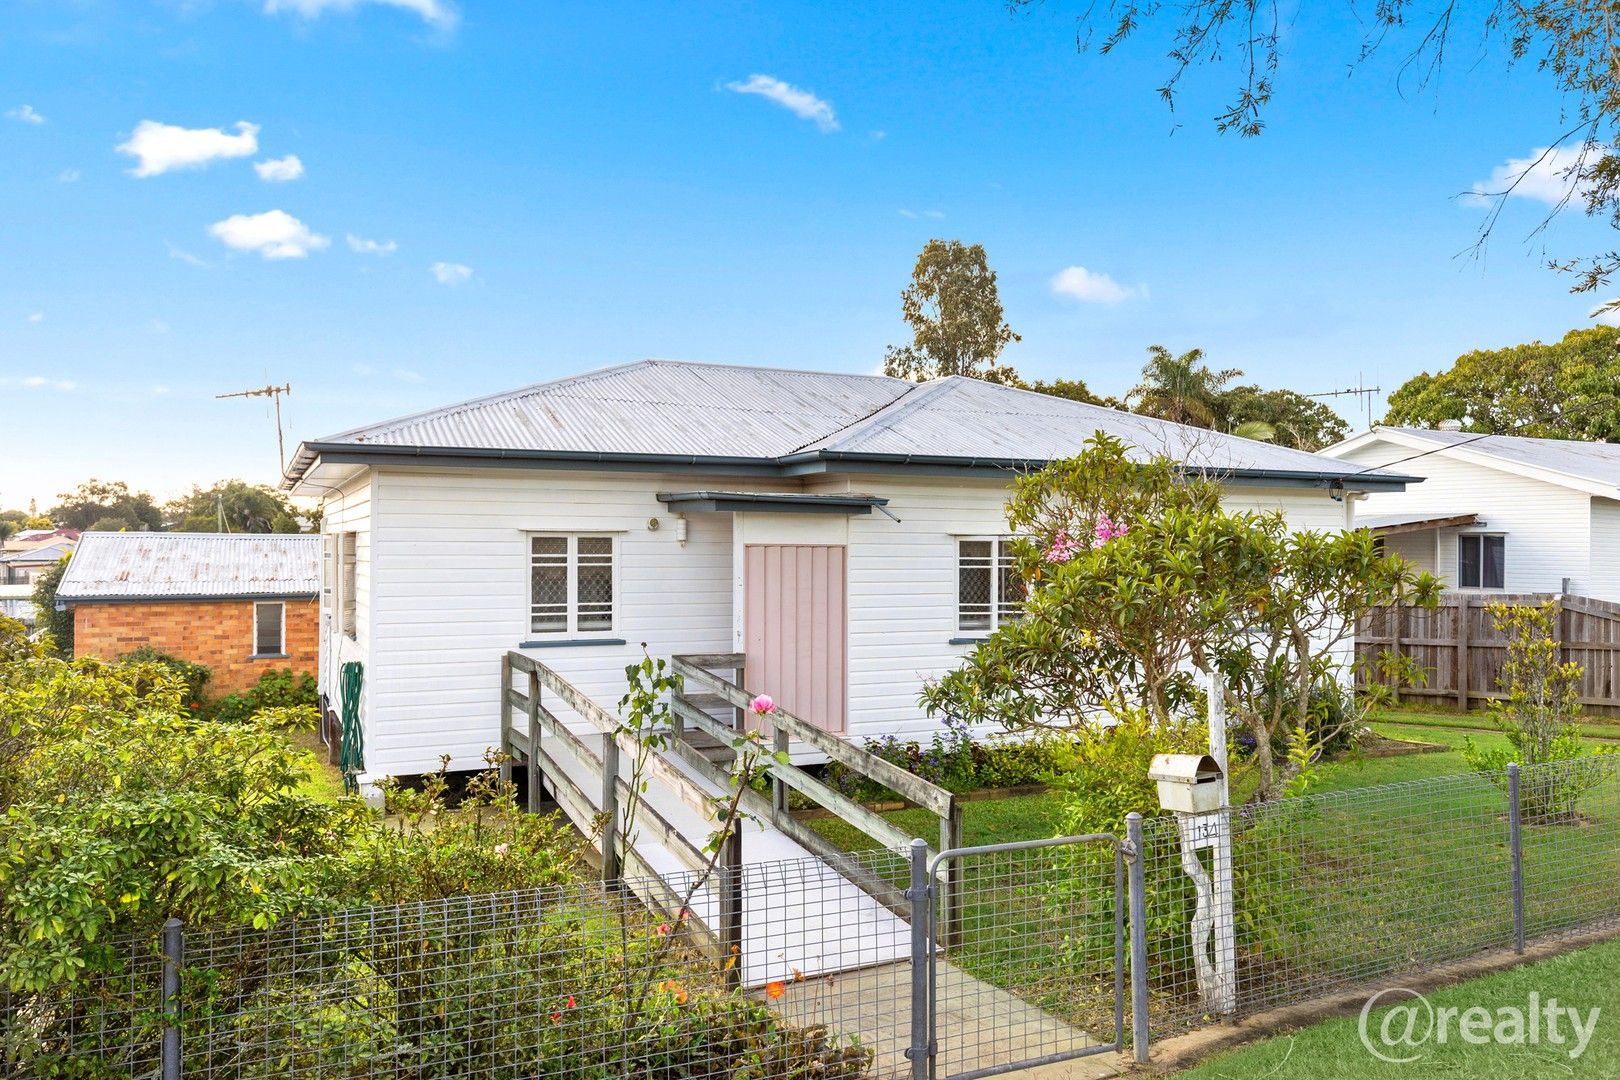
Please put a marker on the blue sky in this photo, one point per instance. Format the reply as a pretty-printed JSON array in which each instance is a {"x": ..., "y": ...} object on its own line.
[{"x": 544, "y": 189}]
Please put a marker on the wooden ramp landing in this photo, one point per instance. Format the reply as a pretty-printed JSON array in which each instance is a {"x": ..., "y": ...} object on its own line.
[{"x": 818, "y": 936}]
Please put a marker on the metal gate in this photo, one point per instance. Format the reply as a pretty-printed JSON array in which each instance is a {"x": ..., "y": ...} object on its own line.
[{"x": 1033, "y": 971}]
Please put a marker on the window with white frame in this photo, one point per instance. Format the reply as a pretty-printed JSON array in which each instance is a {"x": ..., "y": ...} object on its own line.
[
  {"x": 270, "y": 629},
  {"x": 989, "y": 591},
  {"x": 570, "y": 584},
  {"x": 1481, "y": 561}
]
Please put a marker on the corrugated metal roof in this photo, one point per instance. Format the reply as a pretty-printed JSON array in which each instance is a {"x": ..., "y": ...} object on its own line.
[
  {"x": 662, "y": 409},
  {"x": 1595, "y": 461},
  {"x": 136, "y": 566},
  {"x": 970, "y": 418},
  {"x": 650, "y": 407}
]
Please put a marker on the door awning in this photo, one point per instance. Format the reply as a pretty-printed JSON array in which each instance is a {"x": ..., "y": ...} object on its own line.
[
  {"x": 1393, "y": 524},
  {"x": 769, "y": 502}
]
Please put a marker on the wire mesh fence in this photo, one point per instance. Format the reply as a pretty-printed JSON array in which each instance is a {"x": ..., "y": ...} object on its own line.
[{"x": 591, "y": 981}]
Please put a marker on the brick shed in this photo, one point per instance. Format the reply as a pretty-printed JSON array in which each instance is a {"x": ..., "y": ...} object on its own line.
[{"x": 241, "y": 604}]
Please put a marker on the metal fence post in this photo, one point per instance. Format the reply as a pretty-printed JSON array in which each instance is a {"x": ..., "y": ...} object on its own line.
[
  {"x": 174, "y": 951},
  {"x": 921, "y": 895},
  {"x": 1138, "y": 929},
  {"x": 1516, "y": 855},
  {"x": 731, "y": 905},
  {"x": 611, "y": 870}
]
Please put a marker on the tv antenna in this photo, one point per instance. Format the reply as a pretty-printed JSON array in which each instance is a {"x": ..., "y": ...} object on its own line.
[
  {"x": 274, "y": 392},
  {"x": 1360, "y": 390}
]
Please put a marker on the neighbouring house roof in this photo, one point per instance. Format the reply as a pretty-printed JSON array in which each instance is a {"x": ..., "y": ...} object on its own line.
[
  {"x": 33, "y": 538},
  {"x": 191, "y": 566},
  {"x": 38, "y": 555},
  {"x": 1394, "y": 524},
  {"x": 1593, "y": 467},
  {"x": 678, "y": 416}
]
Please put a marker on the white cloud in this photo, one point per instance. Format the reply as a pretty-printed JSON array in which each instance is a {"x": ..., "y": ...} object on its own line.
[
  {"x": 185, "y": 256},
  {"x": 68, "y": 176},
  {"x": 801, "y": 103},
  {"x": 158, "y": 326},
  {"x": 160, "y": 391},
  {"x": 1540, "y": 175},
  {"x": 39, "y": 382},
  {"x": 279, "y": 170},
  {"x": 163, "y": 147},
  {"x": 407, "y": 375},
  {"x": 1090, "y": 287},
  {"x": 933, "y": 214},
  {"x": 449, "y": 273},
  {"x": 363, "y": 370},
  {"x": 438, "y": 13},
  {"x": 274, "y": 234},
  {"x": 877, "y": 136},
  {"x": 25, "y": 114},
  {"x": 363, "y": 246},
  {"x": 36, "y": 317}
]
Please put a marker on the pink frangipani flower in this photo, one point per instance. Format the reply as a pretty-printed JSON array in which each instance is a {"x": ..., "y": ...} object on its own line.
[{"x": 1109, "y": 529}]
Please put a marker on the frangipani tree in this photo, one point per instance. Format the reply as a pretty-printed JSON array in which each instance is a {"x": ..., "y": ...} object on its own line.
[{"x": 1138, "y": 580}]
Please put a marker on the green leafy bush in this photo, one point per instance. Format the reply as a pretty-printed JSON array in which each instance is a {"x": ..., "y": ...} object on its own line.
[
  {"x": 1537, "y": 716},
  {"x": 194, "y": 676},
  {"x": 277, "y": 688},
  {"x": 954, "y": 760}
]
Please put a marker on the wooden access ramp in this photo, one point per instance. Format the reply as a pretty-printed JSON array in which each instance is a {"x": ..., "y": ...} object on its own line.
[{"x": 777, "y": 894}]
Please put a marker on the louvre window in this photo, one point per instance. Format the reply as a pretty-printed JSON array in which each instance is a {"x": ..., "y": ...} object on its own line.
[
  {"x": 269, "y": 629},
  {"x": 989, "y": 590},
  {"x": 350, "y": 560},
  {"x": 570, "y": 584}
]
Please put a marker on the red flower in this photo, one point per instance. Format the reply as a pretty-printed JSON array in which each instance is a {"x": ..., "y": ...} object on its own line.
[
  {"x": 570, "y": 1001},
  {"x": 663, "y": 928},
  {"x": 556, "y": 1018}
]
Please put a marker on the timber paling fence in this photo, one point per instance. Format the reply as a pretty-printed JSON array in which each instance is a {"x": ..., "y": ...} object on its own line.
[
  {"x": 1065, "y": 948},
  {"x": 1461, "y": 651}
]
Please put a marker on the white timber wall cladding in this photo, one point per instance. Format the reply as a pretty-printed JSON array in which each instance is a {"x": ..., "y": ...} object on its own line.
[
  {"x": 1605, "y": 558},
  {"x": 452, "y": 598},
  {"x": 1548, "y": 526}
]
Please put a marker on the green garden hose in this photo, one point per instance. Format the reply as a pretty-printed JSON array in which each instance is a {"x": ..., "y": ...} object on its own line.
[{"x": 352, "y": 750}]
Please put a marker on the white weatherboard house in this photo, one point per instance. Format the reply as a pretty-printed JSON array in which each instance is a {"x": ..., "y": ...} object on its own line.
[
  {"x": 846, "y": 532},
  {"x": 1497, "y": 513}
]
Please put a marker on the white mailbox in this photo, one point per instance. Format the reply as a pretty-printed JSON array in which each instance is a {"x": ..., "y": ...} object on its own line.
[{"x": 1188, "y": 783}]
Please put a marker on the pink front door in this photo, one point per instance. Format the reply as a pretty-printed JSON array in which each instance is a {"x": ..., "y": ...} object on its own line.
[{"x": 795, "y": 629}]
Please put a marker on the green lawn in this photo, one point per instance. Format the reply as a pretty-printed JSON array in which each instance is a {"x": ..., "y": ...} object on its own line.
[
  {"x": 1595, "y": 727},
  {"x": 1373, "y": 876},
  {"x": 1333, "y": 1050},
  {"x": 325, "y": 781}
]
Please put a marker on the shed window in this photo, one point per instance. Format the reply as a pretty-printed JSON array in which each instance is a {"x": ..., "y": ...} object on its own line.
[
  {"x": 1481, "y": 561},
  {"x": 571, "y": 584},
  {"x": 989, "y": 590},
  {"x": 269, "y": 629}
]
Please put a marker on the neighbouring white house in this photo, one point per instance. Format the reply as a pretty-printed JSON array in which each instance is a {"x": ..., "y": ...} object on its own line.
[
  {"x": 846, "y": 532},
  {"x": 1496, "y": 513}
]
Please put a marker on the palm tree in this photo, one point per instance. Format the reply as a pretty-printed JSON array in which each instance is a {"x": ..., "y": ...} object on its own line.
[
  {"x": 1181, "y": 388},
  {"x": 1258, "y": 430}
]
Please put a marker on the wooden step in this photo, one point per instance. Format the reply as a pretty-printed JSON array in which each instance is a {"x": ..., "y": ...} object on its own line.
[
  {"x": 717, "y": 752},
  {"x": 709, "y": 703}
]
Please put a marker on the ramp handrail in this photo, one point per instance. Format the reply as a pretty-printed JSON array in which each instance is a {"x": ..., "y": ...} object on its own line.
[
  {"x": 603, "y": 823},
  {"x": 698, "y": 671}
]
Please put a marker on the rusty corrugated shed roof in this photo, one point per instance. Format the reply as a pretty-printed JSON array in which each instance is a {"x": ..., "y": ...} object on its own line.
[{"x": 172, "y": 566}]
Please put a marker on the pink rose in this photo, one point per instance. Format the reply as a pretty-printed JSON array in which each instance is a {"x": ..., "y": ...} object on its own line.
[{"x": 763, "y": 705}]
